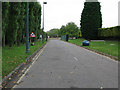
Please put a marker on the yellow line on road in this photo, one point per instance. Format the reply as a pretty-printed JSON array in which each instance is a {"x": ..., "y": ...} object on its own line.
[{"x": 30, "y": 66}]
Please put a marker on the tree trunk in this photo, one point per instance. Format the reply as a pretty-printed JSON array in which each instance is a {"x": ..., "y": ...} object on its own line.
[{"x": 3, "y": 43}]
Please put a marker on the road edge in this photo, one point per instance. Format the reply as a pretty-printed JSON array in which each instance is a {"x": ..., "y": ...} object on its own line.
[
  {"x": 19, "y": 68},
  {"x": 97, "y": 52}
]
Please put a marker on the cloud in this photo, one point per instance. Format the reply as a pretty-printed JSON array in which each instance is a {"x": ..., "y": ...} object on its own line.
[{"x": 60, "y": 12}]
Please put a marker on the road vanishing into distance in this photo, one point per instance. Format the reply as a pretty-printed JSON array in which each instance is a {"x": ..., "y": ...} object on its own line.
[{"x": 64, "y": 65}]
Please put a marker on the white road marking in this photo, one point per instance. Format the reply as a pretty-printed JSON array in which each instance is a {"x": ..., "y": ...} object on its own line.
[
  {"x": 75, "y": 58},
  {"x": 96, "y": 53},
  {"x": 30, "y": 66},
  {"x": 101, "y": 87}
]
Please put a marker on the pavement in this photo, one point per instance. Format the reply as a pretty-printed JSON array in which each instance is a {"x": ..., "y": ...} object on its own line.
[{"x": 64, "y": 65}]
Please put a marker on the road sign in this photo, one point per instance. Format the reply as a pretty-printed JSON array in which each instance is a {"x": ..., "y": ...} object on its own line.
[{"x": 32, "y": 35}]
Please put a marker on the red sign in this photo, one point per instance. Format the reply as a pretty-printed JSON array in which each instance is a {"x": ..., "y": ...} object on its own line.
[{"x": 32, "y": 35}]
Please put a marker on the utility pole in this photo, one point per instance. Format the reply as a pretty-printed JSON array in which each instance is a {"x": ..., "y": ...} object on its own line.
[
  {"x": 43, "y": 23},
  {"x": 27, "y": 29}
]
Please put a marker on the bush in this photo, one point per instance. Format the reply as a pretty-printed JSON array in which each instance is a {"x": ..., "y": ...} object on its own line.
[{"x": 109, "y": 33}]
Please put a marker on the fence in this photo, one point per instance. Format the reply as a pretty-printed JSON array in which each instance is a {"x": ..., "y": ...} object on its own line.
[{"x": 65, "y": 37}]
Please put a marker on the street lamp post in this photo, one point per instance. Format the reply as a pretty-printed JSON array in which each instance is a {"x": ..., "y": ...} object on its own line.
[
  {"x": 43, "y": 23},
  {"x": 27, "y": 29}
]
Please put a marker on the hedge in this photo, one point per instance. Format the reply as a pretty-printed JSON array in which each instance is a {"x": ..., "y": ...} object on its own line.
[{"x": 112, "y": 32}]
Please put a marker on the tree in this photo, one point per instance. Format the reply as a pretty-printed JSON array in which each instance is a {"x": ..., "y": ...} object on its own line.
[
  {"x": 20, "y": 21},
  {"x": 70, "y": 29},
  {"x": 13, "y": 24},
  {"x": 5, "y": 20},
  {"x": 14, "y": 21},
  {"x": 53, "y": 32},
  {"x": 37, "y": 14},
  {"x": 62, "y": 30},
  {"x": 23, "y": 18},
  {"x": 91, "y": 20},
  {"x": 35, "y": 18}
]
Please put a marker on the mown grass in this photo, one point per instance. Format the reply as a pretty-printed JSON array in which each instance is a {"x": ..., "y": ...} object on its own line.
[
  {"x": 13, "y": 57},
  {"x": 110, "y": 47}
]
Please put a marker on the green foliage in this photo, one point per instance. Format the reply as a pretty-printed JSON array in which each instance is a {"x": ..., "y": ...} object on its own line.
[
  {"x": 5, "y": 13},
  {"x": 63, "y": 30},
  {"x": 112, "y": 32},
  {"x": 70, "y": 29},
  {"x": 21, "y": 25},
  {"x": 12, "y": 24},
  {"x": 35, "y": 18},
  {"x": 91, "y": 20},
  {"x": 53, "y": 32},
  {"x": 14, "y": 21}
]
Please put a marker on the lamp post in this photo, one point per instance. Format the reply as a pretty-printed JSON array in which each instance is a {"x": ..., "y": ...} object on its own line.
[
  {"x": 43, "y": 23},
  {"x": 27, "y": 29}
]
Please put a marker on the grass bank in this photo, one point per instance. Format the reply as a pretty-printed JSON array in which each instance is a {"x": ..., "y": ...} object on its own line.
[
  {"x": 110, "y": 47},
  {"x": 13, "y": 57}
]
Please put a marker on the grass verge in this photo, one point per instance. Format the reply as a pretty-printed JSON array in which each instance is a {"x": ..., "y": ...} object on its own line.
[
  {"x": 13, "y": 57},
  {"x": 110, "y": 47}
]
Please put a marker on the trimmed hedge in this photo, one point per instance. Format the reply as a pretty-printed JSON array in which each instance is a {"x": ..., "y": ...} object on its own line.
[{"x": 112, "y": 32}]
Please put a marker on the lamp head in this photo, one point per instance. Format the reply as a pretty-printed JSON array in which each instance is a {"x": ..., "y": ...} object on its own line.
[{"x": 44, "y": 2}]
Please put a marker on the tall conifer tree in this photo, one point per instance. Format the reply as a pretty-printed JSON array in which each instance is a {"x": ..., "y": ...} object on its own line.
[{"x": 91, "y": 20}]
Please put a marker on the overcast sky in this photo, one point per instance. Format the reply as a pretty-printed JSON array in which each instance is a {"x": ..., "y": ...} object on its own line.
[{"x": 60, "y": 12}]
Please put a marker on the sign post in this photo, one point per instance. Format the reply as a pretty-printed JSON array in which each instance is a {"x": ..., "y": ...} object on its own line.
[{"x": 32, "y": 36}]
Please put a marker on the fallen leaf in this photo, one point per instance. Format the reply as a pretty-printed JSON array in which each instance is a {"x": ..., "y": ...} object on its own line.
[{"x": 71, "y": 72}]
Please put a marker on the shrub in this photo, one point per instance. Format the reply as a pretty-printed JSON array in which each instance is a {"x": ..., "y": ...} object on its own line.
[{"x": 108, "y": 33}]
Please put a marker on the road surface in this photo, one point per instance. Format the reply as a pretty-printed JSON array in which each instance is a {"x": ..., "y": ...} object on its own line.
[{"x": 64, "y": 65}]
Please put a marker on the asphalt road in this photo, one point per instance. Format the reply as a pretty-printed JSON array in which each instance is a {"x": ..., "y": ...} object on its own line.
[{"x": 64, "y": 65}]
